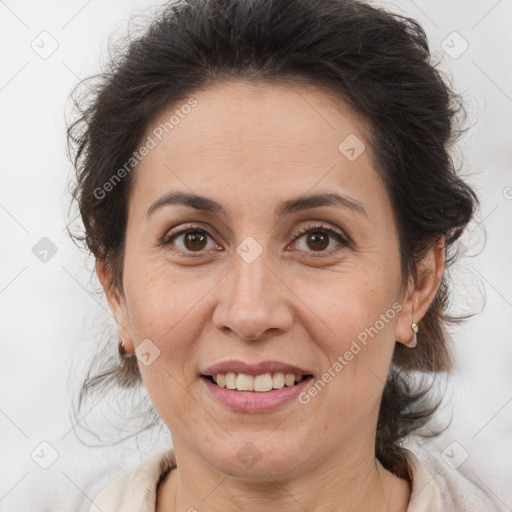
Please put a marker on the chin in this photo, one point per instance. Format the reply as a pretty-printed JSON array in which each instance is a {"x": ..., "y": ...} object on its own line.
[{"x": 260, "y": 456}]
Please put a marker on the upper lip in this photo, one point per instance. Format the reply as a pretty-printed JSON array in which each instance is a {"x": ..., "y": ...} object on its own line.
[{"x": 236, "y": 366}]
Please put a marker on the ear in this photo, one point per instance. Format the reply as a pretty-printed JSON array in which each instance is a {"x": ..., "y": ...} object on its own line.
[
  {"x": 117, "y": 305},
  {"x": 420, "y": 295}
]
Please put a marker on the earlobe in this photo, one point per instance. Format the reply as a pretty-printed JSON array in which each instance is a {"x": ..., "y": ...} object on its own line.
[
  {"x": 414, "y": 341},
  {"x": 421, "y": 294},
  {"x": 123, "y": 351},
  {"x": 116, "y": 304}
]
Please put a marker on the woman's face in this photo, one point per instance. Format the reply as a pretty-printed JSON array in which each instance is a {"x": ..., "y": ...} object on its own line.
[{"x": 236, "y": 282}]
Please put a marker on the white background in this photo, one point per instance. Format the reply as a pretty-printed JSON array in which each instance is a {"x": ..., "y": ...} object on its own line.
[{"x": 51, "y": 315}]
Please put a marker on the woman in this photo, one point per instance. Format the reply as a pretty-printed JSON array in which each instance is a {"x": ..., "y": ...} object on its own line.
[{"x": 268, "y": 193}]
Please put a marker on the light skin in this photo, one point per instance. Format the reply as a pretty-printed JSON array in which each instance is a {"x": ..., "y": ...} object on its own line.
[{"x": 250, "y": 147}]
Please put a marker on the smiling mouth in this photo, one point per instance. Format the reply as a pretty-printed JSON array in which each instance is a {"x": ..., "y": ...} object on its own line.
[{"x": 255, "y": 383}]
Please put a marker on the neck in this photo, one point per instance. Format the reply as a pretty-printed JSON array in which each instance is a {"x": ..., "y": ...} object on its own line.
[{"x": 337, "y": 484}]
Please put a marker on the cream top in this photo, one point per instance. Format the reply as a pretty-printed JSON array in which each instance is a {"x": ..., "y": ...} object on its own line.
[{"x": 440, "y": 490}]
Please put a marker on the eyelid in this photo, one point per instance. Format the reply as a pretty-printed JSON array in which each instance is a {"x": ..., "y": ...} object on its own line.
[
  {"x": 320, "y": 226},
  {"x": 342, "y": 239},
  {"x": 174, "y": 233}
]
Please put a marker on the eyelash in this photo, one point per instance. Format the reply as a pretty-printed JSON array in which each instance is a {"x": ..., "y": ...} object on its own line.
[{"x": 167, "y": 239}]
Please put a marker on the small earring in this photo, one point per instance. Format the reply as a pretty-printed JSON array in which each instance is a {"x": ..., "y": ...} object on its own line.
[
  {"x": 121, "y": 347},
  {"x": 414, "y": 340}
]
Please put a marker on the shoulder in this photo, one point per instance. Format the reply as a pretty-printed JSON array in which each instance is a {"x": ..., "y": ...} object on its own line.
[
  {"x": 439, "y": 487},
  {"x": 135, "y": 490}
]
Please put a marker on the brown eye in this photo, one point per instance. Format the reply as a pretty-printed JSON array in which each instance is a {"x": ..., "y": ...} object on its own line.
[
  {"x": 190, "y": 240},
  {"x": 195, "y": 240},
  {"x": 317, "y": 240}
]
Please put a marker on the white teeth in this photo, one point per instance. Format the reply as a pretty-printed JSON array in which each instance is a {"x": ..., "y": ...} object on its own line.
[
  {"x": 289, "y": 379},
  {"x": 245, "y": 382},
  {"x": 259, "y": 383},
  {"x": 231, "y": 380},
  {"x": 263, "y": 382},
  {"x": 278, "y": 380}
]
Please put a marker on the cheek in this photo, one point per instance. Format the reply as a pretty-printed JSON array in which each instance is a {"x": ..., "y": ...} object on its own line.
[
  {"x": 162, "y": 306},
  {"x": 358, "y": 303},
  {"x": 356, "y": 336},
  {"x": 157, "y": 297},
  {"x": 165, "y": 308}
]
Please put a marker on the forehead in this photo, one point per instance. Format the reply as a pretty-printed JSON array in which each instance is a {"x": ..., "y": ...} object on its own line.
[
  {"x": 251, "y": 142},
  {"x": 235, "y": 116}
]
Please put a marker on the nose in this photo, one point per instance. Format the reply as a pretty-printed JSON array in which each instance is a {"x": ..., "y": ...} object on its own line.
[{"x": 253, "y": 301}]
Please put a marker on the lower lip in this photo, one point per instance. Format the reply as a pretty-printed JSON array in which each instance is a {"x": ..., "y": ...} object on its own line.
[{"x": 254, "y": 401}]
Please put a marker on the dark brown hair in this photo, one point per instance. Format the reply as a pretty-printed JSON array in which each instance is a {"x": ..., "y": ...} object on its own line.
[{"x": 376, "y": 62}]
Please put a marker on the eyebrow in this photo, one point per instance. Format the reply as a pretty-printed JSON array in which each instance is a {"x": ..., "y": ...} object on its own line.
[{"x": 297, "y": 204}]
